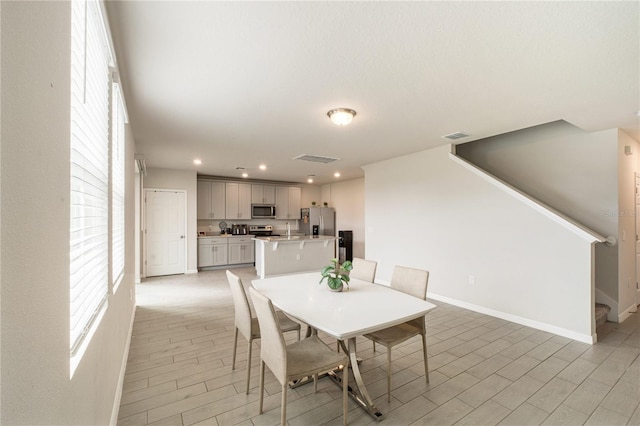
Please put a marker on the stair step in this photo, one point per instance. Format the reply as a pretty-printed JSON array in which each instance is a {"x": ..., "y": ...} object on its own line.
[{"x": 601, "y": 313}]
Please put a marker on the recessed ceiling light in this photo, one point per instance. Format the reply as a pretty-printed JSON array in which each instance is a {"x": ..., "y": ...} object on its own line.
[
  {"x": 245, "y": 175},
  {"x": 197, "y": 161},
  {"x": 341, "y": 116},
  {"x": 310, "y": 178},
  {"x": 263, "y": 167},
  {"x": 336, "y": 174}
]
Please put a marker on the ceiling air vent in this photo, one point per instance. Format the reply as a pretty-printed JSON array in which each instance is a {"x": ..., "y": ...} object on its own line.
[
  {"x": 455, "y": 136},
  {"x": 315, "y": 158}
]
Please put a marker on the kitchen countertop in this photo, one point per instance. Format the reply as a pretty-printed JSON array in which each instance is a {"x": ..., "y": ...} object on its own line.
[
  {"x": 225, "y": 235},
  {"x": 295, "y": 238}
]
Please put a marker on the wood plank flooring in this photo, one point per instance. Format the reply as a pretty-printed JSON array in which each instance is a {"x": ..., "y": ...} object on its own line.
[{"x": 483, "y": 370}]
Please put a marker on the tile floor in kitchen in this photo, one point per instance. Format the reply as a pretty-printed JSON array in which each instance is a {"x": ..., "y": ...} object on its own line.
[{"x": 483, "y": 370}]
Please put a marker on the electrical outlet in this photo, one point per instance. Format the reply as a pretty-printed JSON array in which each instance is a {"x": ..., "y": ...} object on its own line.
[{"x": 472, "y": 279}]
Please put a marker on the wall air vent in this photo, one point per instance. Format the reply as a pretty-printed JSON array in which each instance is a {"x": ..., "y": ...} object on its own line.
[
  {"x": 455, "y": 136},
  {"x": 315, "y": 158}
]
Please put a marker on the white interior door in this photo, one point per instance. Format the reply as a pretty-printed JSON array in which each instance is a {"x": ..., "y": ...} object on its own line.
[
  {"x": 165, "y": 232},
  {"x": 637, "y": 212}
]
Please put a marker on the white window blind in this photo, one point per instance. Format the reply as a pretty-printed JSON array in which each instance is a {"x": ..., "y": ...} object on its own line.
[
  {"x": 117, "y": 184},
  {"x": 89, "y": 251}
]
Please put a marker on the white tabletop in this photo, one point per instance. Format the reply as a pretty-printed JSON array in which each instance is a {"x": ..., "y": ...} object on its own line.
[{"x": 364, "y": 308}]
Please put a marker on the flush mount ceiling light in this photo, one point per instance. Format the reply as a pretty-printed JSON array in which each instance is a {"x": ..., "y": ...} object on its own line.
[
  {"x": 341, "y": 116},
  {"x": 310, "y": 178},
  {"x": 197, "y": 161}
]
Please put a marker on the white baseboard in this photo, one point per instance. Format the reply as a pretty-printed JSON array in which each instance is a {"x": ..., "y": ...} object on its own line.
[
  {"x": 585, "y": 338},
  {"x": 123, "y": 368},
  {"x": 625, "y": 314},
  {"x": 191, "y": 271}
]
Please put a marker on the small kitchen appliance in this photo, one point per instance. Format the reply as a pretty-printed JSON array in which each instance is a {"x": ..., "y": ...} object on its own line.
[{"x": 239, "y": 229}]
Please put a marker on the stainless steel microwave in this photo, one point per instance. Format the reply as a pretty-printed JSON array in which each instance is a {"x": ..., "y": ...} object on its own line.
[{"x": 263, "y": 211}]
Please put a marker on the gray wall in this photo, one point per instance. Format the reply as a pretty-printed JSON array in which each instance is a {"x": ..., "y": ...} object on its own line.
[{"x": 35, "y": 102}]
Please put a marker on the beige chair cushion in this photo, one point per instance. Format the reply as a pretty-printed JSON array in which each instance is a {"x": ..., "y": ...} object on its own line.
[{"x": 364, "y": 270}]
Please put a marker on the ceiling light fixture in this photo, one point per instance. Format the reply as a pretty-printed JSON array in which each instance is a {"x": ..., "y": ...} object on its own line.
[
  {"x": 263, "y": 167},
  {"x": 310, "y": 178},
  {"x": 336, "y": 174},
  {"x": 341, "y": 116},
  {"x": 197, "y": 161},
  {"x": 245, "y": 175}
]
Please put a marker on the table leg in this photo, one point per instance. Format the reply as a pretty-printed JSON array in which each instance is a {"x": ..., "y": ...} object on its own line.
[{"x": 358, "y": 392}]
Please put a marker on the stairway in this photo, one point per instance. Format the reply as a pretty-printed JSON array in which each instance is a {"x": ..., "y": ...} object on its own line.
[{"x": 601, "y": 313}]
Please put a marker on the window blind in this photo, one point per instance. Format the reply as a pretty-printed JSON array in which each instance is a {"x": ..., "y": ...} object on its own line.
[
  {"x": 117, "y": 184},
  {"x": 89, "y": 251}
]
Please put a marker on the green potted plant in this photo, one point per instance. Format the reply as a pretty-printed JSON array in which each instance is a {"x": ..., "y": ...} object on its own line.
[{"x": 337, "y": 275}]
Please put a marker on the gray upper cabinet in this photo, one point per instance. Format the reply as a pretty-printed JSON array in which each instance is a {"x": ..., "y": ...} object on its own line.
[
  {"x": 263, "y": 194},
  {"x": 288, "y": 202},
  {"x": 238, "y": 197},
  {"x": 211, "y": 200}
]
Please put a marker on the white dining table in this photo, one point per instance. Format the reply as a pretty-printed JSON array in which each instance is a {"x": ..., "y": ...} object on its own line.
[{"x": 345, "y": 315}]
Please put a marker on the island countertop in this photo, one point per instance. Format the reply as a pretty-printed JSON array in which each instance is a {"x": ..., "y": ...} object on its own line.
[{"x": 295, "y": 238}]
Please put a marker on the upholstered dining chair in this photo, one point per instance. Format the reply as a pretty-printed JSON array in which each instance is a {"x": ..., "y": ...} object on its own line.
[
  {"x": 414, "y": 282},
  {"x": 247, "y": 325},
  {"x": 308, "y": 357},
  {"x": 364, "y": 270}
]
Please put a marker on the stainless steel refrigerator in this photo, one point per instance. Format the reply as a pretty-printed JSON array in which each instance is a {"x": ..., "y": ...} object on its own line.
[{"x": 318, "y": 221}]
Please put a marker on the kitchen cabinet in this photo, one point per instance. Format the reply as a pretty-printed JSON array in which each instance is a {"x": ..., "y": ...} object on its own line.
[
  {"x": 212, "y": 251},
  {"x": 288, "y": 202},
  {"x": 241, "y": 250},
  {"x": 211, "y": 200},
  {"x": 238, "y": 200},
  {"x": 263, "y": 194}
]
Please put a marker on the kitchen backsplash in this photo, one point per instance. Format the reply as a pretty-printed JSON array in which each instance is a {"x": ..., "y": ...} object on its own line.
[{"x": 278, "y": 224}]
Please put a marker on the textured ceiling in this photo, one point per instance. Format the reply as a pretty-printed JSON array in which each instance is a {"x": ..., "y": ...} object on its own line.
[{"x": 237, "y": 84}]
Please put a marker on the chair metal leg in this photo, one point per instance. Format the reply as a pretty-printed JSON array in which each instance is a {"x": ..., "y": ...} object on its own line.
[
  {"x": 249, "y": 364},
  {"x": 388, "y": 374},
  {"x": 283, "y": 411},
  {"x": 426, "y": 360},
  {"x": 235, "y": 346},
  {"x": 315, "y": 383},
  {"x": 345, "y": 392},
  {"x": 261, "y": 385},
  {"x": 374, "y": 346}
]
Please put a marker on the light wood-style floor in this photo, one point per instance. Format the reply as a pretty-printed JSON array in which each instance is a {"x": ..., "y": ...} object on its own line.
[{"x": 484, "y": 370}]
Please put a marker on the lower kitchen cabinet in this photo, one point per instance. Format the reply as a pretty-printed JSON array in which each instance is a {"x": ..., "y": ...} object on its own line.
[
  {"x": 221, "y": 251},
  {"x": 241, "y": 250},
  {"x": 212, "y": 252}
]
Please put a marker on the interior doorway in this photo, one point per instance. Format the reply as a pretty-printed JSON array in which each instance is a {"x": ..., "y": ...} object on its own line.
[
  {"x": 165, "y": 236},
  {"x": 637, "y": 217}
]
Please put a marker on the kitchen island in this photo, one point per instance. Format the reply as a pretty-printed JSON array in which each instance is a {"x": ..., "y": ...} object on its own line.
[{"x": 286, "y": 255}]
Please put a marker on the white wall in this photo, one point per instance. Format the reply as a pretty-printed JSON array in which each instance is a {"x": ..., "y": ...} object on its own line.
[
  {"x": 347, "y": 197},
  {"x": 627, "y": 166},
  {"x": 527, "y": 267},
  {"x": 184, "y": 180},
  {"x": 309, "y": 194},
  {"x": 35, "y": 134},
  {"x": 573, "y": 171}
]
